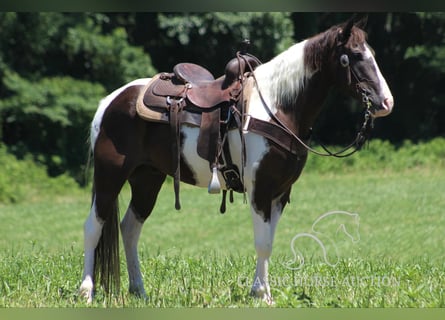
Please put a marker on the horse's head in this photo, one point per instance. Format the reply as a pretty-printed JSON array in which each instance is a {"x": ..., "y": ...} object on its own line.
[{"x": 355, "y": 69}]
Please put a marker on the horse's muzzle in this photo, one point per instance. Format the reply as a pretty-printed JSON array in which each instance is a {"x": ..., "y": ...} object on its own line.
[{"x": 384, "y": 109}]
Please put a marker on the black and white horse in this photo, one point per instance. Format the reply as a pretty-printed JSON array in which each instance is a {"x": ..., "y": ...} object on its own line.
[{"x": 291, "y": 88}]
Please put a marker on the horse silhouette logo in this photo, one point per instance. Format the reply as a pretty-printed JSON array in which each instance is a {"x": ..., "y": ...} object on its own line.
[{"x": 321, "y": 232}]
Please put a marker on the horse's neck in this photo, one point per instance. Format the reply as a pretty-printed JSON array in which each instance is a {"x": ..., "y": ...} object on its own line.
[
  {"x": 310, "y": 102},
  {"x": 293, "y": 90}
]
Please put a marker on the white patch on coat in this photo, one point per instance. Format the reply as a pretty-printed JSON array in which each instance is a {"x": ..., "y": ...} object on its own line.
[
  {"x": 103, "y": 105},
  {"x": 280, "y": 81},
  {"x": 256, "y": 148},
  {"x": 199, "y": 166}
]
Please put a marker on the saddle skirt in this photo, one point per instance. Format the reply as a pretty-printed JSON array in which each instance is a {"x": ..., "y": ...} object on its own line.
[{"x": 156, "y": 110}]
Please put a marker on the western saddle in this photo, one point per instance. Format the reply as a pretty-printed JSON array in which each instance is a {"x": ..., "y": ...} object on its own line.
[{"x": 190, "y": 94}]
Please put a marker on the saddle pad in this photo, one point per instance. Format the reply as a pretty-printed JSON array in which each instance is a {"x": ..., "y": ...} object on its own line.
[
  {"x": 146, "y": 113},
  {"x": 160, "y": 114}
]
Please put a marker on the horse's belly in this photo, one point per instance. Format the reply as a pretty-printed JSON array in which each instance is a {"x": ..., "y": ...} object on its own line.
[
  {"x": 197, "y": 165},
  {"x": 256, "y": 147},
  {"x": 201, "y": 167}
]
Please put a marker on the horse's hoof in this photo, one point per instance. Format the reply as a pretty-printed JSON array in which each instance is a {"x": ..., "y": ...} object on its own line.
[
  {"x": 260, "y": 293},
  {"x": 139, "y": 293},
  {"x": 86, "y": 292},
  {"x": 268, "y": 300}
]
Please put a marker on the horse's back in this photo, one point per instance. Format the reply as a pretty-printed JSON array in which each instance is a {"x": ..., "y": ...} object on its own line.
[{"x": 106, "y": 102}]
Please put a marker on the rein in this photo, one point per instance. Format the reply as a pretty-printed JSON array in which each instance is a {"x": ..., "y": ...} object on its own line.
[{"x": 355, "y": 145}]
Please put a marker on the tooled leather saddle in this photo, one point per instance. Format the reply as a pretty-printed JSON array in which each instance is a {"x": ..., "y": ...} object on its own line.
[{"x": 190, "y": 94}]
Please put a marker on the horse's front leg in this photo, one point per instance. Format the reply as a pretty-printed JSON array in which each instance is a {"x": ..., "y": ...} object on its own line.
[{"x": 264, "y": 232}]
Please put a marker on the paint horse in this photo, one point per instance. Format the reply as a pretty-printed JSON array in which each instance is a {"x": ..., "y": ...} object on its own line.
[{"x": 286, "y": 92}]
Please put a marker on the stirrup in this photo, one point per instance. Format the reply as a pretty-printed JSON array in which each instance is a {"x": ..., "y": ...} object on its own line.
[{"x": 214, "y": 185}]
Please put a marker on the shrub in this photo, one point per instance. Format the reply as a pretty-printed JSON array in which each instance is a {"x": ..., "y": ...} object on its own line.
[
  {"x": 25, "y": 179},
  {"x": 380, "y": 154}
]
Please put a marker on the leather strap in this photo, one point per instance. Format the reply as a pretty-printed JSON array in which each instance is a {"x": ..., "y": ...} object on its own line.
[
  {"x": 275, "y": 134},
  {"x": 176, "y": 148}
]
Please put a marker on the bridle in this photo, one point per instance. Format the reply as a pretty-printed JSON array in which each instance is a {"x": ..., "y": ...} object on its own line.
[
  {"x": 240, "y": 117},
  {"x": 360, "y": 139}
]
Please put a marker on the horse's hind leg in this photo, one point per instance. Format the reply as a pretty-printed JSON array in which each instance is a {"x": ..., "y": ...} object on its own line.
[
  {"x": 109, "y": 178},
  {"x": 92, "y": 232},
  {"x": 145, "y": 184}
]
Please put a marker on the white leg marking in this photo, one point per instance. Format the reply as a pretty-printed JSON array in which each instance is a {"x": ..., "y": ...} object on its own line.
[
  {"x": 256, "y": 147},
  {"x": 131, "y": 230},
  {"x": 264, "y": 233},
  {"x": 92, "y": 232}
]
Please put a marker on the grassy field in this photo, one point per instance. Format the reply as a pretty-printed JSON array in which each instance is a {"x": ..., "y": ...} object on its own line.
[{"x": 198, "y": 257}]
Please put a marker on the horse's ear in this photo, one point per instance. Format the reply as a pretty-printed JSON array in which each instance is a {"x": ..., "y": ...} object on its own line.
[
  {"x": 345, "y": 32},
  {"x": 362, "y": 22}
]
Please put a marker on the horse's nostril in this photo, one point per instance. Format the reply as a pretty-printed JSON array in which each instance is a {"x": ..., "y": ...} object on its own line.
[{"x": 388, "y": 103}]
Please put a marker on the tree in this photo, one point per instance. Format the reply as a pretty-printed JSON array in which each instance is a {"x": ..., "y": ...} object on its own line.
[
  {"x": 421, "y": 76},
  {"x": 48, "y": 118},
  {"x": 212, "y": 39},
  {"x": 102, "y": 57},
  {"x": 54, "y": 69}
]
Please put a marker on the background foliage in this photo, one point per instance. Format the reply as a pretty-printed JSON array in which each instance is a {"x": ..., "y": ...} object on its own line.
[{"x": 55, "y": 67}]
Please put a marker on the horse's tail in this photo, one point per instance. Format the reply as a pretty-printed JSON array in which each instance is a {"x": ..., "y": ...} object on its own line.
[{"x": 106, "y": 254}]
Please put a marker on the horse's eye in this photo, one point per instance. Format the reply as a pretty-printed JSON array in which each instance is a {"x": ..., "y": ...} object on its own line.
[{"x": 344, "y": 60}]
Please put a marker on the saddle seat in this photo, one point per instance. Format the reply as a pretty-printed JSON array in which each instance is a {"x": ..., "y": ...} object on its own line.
[
  {"x": 207, "y": 94},
  {"x": 192, "y": 73},
  {"x": 203, "y": 90}
]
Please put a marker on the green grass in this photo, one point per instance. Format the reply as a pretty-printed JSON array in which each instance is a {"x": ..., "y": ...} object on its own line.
[
  {"x": 38, "y": 279},
  {"x": 198, "y": 257}
]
